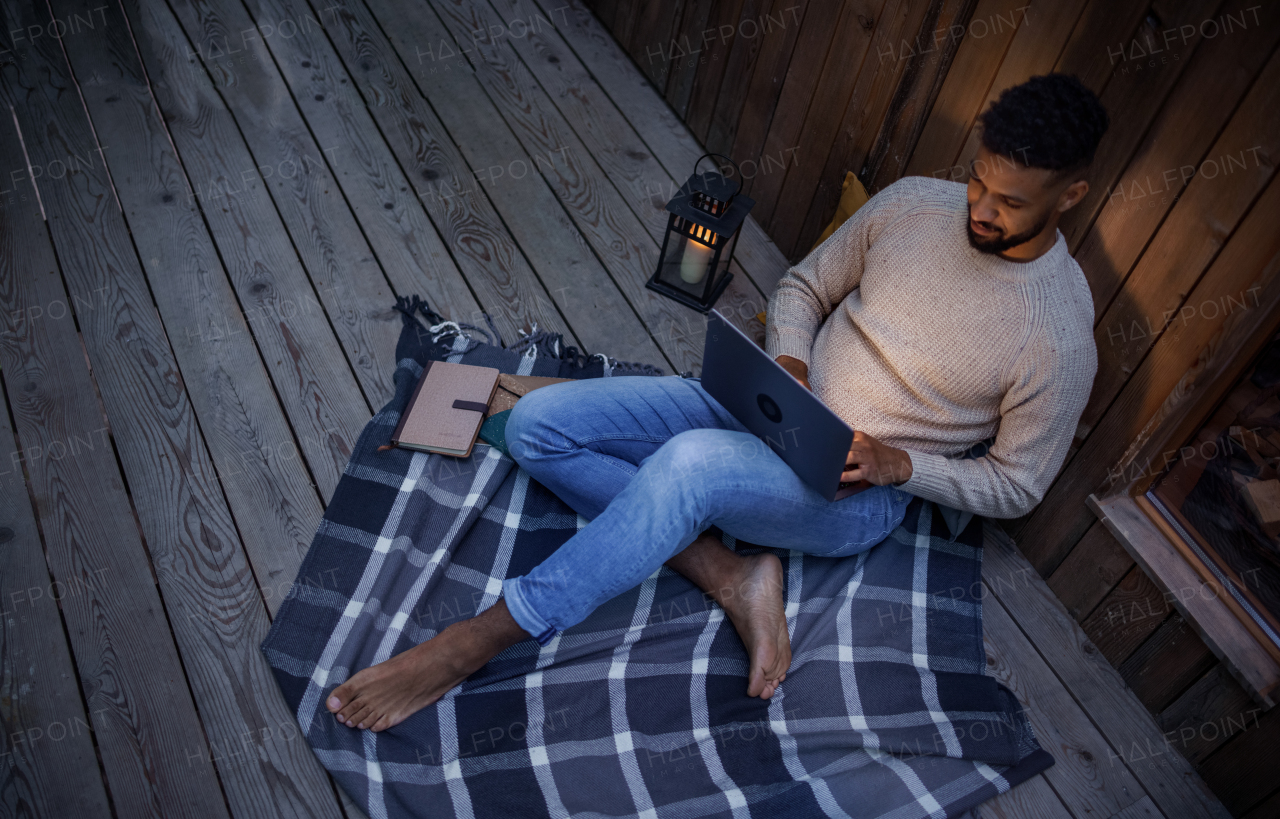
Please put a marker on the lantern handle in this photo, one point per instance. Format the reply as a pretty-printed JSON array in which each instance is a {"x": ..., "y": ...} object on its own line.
[{"x": 727, "y": 159}]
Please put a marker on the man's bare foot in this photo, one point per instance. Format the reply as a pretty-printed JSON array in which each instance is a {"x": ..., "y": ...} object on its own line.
[
  {"x": 749, "y": 589},
  {"x": 753, "y": 601},
  {"x": 386, "y": 694}
]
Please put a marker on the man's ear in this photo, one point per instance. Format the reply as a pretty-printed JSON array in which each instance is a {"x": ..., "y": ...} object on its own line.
[{"x": 1072, "y": 194}]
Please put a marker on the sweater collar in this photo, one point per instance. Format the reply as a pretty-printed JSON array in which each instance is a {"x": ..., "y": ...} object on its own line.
[{"x": 1043, "y": 265}]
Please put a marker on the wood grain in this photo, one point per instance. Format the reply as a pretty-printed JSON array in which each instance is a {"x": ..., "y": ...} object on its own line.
[
  {"x": 1144, "y": 101},
  {"x": 843, "y": 108},
  {"x": 608, "y": 181},
  {"x": 154, "y": 755},
  {"x": 1127, "y": 616},
  {"x": 964, "y": 91},
  {"x": 1188, "y": 592},
  {"x": 1209, "y": 713},
  {"x": 213, "y": 607},
  {"x": 296, "y": 340},
  {"x": 744, "y": 50},
  {"x": 930, "y": 59},
  {"x": 1088, "y": 774},
  {"x": 1187, "y": 243},
  {"x": 1090, "y": 571},
  {"x": 786, "y": 21},
  {"x": 669, "y": 140},
  {"x": 722, "y": 24},
  {"x": 1166, "y": 776},
  {"x": 1246, "y": 768},
  {"x": 687, "y": 50},
  {"x": 1033, "y": 799},
  {"x": 1164, "y": 379},
  {"x": 454, "y": 194},
  {"x": 499, "y": 112},
  {"x": 46, "y": 745},
  {"x": 1167, "y": 664}
]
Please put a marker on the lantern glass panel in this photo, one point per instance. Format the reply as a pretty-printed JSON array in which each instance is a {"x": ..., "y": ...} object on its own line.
[{"x": 692, "y": 257}]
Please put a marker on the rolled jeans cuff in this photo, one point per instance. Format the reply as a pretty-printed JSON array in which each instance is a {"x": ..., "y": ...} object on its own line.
[{"x": 523, "y": 613}]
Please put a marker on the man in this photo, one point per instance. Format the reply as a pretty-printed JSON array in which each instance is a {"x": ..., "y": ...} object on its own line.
[{"x": 927, "y": 322}]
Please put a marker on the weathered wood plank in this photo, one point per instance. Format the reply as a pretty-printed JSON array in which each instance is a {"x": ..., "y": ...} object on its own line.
[
  {"x": 214, "y": 608},
  {"x": 784, "y": 22},
  {"x": 771, "y": 143},
  {"x": 723, "y": 21},
  {"x": 324, "y": 404},
  {"x": 547, "y": 223},
  {"x": 1187, "y": 243},
  {"x": 608, "y": 199},
  {"x": 844, "y": 102},
  {"x": 687, "y": 49},
  {"x": 1136, "y": 187},
  {"x": 1167, "y": 664},
  {"x": 46, "y": 746},
  {"x": 1088, "y": 574},
  {"x": 1164, "y": 375},
  {"x": 650, "y": 44},
  {"x": 739, "y": 66},
  {"x": 1127, "y": 616},
  {"x": 1113, "y": 24},
  {"x": 456, "y": 195},
  {"x": 930, "y": 57},
  {"x": 964, "y": 92},
  {"x": 1246, "y": 768},
  {"x": 1197, "y": 600},
  {"x": 1136, "y": 94},
  {"x": 153, "y": 751},
  {"x": 1086, "y": 774},
  {"x": 668, "y": 139},
  {"x": 1214, "y": 709},
  {"x": 1033, "y": 799},
  {"x": 411, "y": 253},
  {"x": 1144, "y": 808},
  {"x": 1091, "y": 681},
  {"x": 267, "y": 486},
  {"x": 296, "y": 173}
]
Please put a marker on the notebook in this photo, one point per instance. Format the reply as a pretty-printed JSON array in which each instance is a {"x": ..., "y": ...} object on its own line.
[{"x": 446, "y": 409}]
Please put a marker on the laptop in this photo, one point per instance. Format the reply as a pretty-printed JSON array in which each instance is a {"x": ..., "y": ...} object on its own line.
[{"x": 766, "y": 399}]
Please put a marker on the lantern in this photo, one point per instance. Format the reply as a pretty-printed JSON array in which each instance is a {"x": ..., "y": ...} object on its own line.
[{"x": 693, "y": 267}]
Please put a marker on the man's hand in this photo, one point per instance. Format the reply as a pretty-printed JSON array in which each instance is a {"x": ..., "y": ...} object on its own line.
[
  {"x": 874, "y": 462},
  {"x": 798, "y": 369}
]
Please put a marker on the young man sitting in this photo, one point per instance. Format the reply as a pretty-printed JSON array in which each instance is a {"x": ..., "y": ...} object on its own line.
[{"x": 935, "y": 317}]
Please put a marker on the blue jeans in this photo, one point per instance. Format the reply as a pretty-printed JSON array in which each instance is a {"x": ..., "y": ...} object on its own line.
[{"x": 652, "y": 462}]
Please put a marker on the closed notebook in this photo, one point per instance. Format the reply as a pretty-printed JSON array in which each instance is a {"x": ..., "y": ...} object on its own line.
[{"x": 446, "y": 409}]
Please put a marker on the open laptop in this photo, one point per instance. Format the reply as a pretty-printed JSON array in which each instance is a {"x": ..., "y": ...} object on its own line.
[{"x": 766, "y": 399}]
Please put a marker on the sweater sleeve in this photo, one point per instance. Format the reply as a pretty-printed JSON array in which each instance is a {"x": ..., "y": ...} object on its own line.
[
  {"x": 810, "y": 290},
  {"x": 1038, "y": 418}
]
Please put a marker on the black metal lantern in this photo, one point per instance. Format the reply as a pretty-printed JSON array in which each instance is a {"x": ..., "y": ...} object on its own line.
[{"x": 705, "y": 216}]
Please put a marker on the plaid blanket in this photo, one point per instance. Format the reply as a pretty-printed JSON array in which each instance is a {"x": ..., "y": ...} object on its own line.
[{"x": 640, "y": 710}]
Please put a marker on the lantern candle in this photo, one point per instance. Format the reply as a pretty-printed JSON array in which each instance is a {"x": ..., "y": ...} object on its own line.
[{"x": 693, "y": 265}]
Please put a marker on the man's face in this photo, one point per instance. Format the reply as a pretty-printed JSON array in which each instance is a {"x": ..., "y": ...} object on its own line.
[{"x": 1010, "y": 203}]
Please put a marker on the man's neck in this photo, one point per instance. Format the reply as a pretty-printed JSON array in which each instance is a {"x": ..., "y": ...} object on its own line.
[{"x": 1034, "y": 247}]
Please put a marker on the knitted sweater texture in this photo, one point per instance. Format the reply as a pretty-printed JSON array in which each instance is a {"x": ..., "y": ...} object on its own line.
[{"x": 929, "y": 345}]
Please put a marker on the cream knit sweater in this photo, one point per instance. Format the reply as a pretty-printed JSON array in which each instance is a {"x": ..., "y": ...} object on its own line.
[{"x": 931, "y": 346}]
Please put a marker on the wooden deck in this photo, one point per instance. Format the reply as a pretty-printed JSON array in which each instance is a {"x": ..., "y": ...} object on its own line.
[{"x": 197, "y": 325}]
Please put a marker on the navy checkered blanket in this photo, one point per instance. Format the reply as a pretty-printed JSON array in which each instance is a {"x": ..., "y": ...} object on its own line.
[{"x": 640, "y": 710}]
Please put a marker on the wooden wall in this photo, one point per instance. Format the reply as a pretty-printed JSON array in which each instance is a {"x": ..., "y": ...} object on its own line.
[{"x": 1181, "y": 221}]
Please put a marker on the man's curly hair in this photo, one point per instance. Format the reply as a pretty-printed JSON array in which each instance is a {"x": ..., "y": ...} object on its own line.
[{"x": 1052, "y": 121}]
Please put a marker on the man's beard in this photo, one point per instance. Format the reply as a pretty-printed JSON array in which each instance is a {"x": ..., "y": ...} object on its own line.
[{"x": 1000, "y": 242}]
